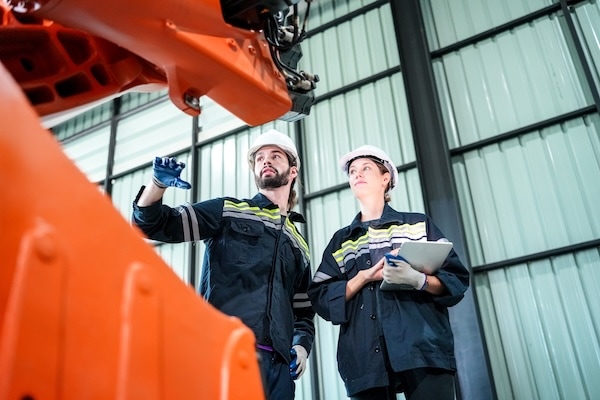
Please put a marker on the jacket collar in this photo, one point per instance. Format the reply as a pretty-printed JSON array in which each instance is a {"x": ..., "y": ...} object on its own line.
[
  {"x": 389, "y": 214},
  {"x": 263, "y": 202}
]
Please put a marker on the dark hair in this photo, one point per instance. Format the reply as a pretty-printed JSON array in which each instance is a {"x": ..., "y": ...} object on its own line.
[{"x": 293, "y": 197}]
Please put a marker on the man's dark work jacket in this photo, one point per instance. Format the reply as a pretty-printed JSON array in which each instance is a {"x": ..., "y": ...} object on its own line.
[
  {"x": 256, "y": 264},
  {"x": 414, "y": 324}
]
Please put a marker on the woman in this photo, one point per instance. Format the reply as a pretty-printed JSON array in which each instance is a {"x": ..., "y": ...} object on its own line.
[{"x": 390, "y": 341}]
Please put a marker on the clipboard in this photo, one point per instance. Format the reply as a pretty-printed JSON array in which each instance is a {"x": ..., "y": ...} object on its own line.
[{"x": 425, "y": 257}]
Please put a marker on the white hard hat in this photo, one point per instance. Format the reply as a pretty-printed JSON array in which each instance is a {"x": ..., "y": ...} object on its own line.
[
  {"x": 375, "y": 154},
  {"x": 273, "y": 137}
]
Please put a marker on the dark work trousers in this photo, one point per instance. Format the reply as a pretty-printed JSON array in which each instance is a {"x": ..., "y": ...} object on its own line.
[
  {"x": 277, "y": 381},
  {"x": 417, "y": 384}
]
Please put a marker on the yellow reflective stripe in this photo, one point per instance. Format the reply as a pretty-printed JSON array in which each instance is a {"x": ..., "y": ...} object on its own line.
[
  {"x": 377, "y": 237},
  {"x": 301, "y": 242},
  {"x": 245, "y": 207},
  {"x": 350, "y": 246},
  {"x": 399, "y": 230}
]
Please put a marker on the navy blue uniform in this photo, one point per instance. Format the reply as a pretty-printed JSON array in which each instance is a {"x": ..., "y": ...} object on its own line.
[{"x": 413, "y": 325}]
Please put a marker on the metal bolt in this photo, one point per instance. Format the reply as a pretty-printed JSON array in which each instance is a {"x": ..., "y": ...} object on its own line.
[
  {"x": 192, "y": 100},
  {"x": 45, "y": 246}
]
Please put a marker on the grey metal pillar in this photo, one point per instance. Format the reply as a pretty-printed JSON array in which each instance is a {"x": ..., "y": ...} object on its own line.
[{"x": 437, "y": 180}]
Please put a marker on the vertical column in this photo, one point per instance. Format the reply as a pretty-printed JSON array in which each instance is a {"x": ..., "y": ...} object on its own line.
[
  {"x": 114, "y": 120},
  {"x": 194, "y": 180},
  {"x": 314, "y": 354},
  {"x": 437, "y": 180}
]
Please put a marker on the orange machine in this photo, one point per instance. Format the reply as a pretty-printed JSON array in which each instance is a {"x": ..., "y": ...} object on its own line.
[{"x": 87, "y": 309}]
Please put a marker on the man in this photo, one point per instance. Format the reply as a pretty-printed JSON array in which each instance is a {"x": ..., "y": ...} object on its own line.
[{"x": 256, "y": 266}]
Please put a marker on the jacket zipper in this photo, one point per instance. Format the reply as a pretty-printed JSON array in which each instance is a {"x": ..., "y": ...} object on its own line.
[{"x": 270, "y": 287}]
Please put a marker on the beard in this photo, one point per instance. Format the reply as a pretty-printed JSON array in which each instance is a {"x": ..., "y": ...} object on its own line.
[{"x": 273, "y": 182}]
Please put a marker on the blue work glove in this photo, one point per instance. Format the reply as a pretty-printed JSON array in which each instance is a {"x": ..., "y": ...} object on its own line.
[
  {"x": 166, "y": 173},
  {"x": 298, "y": 363},
  {"x": 398, "y": 271}
]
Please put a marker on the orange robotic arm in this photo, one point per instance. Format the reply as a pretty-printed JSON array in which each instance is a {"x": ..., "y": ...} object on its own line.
[{"x": 70, "y": 53}]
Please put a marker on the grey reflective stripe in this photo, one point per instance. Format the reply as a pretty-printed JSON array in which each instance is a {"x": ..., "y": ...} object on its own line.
[
  {"x": 189, "y": 223},
  {"x": 304, "y": 304},
  {"x": 321, "y": 277},
  {"x": 301, "y": 300},
  {"x": 184, "y": 214},
  {"x": 195, "y": 223},
  {"x": 352, "y": 256},
  {"x": 252, "y": 217}
]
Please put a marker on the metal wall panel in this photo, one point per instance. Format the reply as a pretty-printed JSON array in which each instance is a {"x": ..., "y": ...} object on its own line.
[
  {"x": 376, "y": 114},
  {"x": 83, "y": 122},
  {"x": 527, "y": 194},
  {"x": 532, "y": 193},
  {"x": 156, "y": 131},
  {"x": 515, "y": 79},
  {"x": 353, "y": 50},
  {"x": 587, "y": 16},
  {"x": 223, "y": 169},
  {"x": 543, "y": 327},
  {"x": 90, "y": 153},
  {"x": 125, "y": 189},
  {"x": 324, "y": 11},
  {"x": 215, "y": 120},
  {"x": 449, "y": 21},
  {"x": 131, "y": 101},
  {"x": 177, "y": 256}
]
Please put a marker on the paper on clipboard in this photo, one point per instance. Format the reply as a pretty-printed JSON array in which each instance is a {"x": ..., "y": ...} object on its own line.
[{"x": 422, "y": 256}]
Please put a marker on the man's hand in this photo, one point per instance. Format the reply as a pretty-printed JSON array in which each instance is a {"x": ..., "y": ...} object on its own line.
[
  {"x": 166, "y": 173},
  {"x": 298, "y": 364},
  {"x": 401, "y": 273}
]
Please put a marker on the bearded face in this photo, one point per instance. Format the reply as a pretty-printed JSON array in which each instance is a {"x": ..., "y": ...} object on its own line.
[
  {"x": 273, "y": 168},
  {"x": 271, "y": 178}
]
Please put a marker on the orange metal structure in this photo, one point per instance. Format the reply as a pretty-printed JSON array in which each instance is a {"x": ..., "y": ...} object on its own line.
[
  {"x": 69, "y": 53},
  {"x": 87, "y": 309}
]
